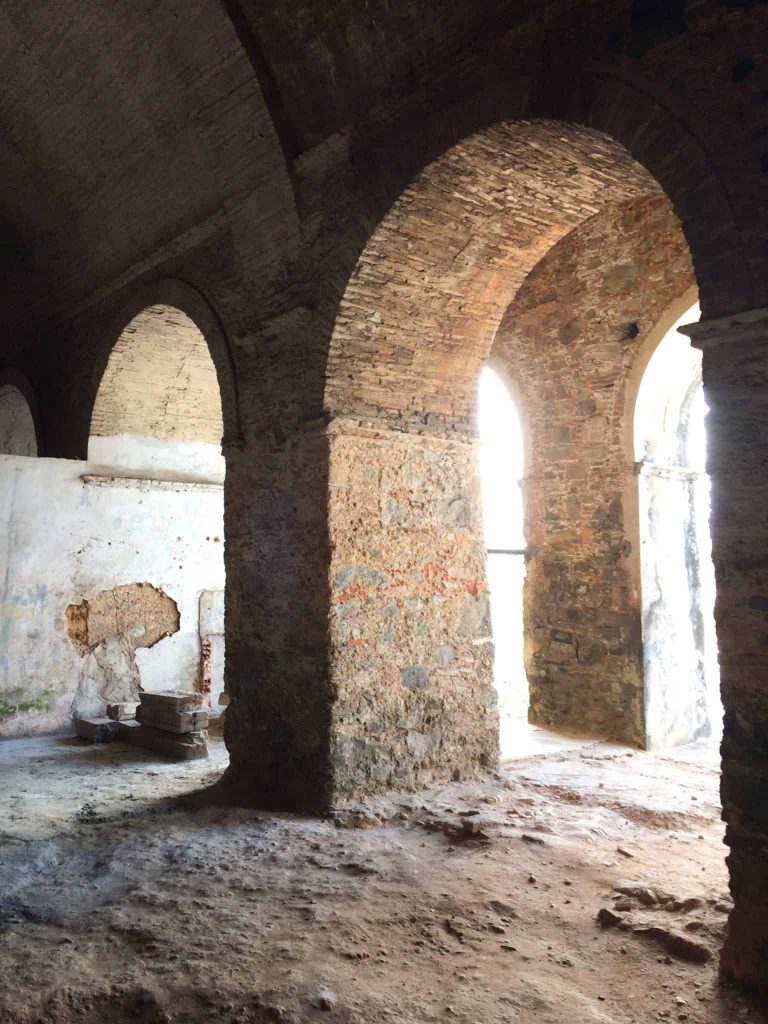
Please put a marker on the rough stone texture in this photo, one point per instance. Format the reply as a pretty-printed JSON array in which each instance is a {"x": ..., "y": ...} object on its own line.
[
  {"x": 250, "y": 151},
  {"x": 568, "y": 345},
  {"x": 180, "y": 746},
  {"x": 735, "y": 373},
  {"x": 96, "y": 730},
  {"x": 17, "y": 428},
  {"x": 137, "y": 611},
  {"x": 110, "y": 627},
  {"x": 160, "y": 381},
  {"x": 123, "y": 711},
  {"x": 410, "y": 645}
]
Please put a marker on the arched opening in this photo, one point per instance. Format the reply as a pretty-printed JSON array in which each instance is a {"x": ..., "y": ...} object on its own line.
[
  {"x": 155, "y": 458},
  {"x": 17, "y": 426},
  {"x": 547, "y": 249},
  {"x": 115, "y": 566},
  {"x": 682, "y": 683},
  {"x": 501, "y": 473},
  {"x": 496, "y": 250}
]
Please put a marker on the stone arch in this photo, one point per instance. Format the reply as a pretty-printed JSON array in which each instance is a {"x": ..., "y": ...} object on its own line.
[
  {"x": 664, "y": 152},
  {"x": 638, "y": 124},
  {"x": 422, "y": 305},
  {"x": 20, "y": 432},
  {"x": 161, "y": 416},
  {"x": 173, "y": 310},
  {"x": 416, "y": 323},
  {"x": 663, "y": 142},
  {"x": 571, "y": 338}
]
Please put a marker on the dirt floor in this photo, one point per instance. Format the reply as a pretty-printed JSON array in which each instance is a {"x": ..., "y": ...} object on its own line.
[{"x": 474, "y": 902}]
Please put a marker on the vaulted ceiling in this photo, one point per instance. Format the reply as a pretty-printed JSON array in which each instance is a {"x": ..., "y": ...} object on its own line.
[{"x": 128, "y": 123}]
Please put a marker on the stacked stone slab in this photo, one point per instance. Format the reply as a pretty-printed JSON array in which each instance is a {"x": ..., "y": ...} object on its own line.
[
  {"x": 123, "y": 711},
  {"x": 96, "y": 730},
  {"x": 171, "y": 723}
]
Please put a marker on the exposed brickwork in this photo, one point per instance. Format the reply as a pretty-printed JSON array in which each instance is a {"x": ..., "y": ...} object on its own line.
[
  {"x": 147, "y": 142},
  {"x": 160, "y": 381},
  {"x": 568, "y": 344},
  {"x": 425, "y": 299}
]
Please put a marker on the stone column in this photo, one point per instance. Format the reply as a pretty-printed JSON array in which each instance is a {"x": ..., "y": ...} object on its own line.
[
  {"x": 735, "y": 371},
  {"x": 358, "y": 637},
  {"x": 276, "y": 620},
  {"x": 411, "y": 655}
]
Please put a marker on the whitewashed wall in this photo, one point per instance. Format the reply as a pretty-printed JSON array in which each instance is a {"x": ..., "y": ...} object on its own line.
[{"x": 71, "y": 529}]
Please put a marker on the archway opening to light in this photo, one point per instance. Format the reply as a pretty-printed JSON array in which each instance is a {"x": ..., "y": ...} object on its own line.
[
  {"x": 682, "y": 685},
  {"x": 501, "y": 472}
]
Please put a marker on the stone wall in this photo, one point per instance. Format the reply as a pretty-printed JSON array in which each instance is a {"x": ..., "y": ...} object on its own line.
[
  {"x": 253, "y": 158},
  {"x": 568, "y": 345},
  {"x": 736, "y": 385},
  {"x": 81, "y": 538},
  {"x": 17, "y": 428},
  {"x": 410, "y": 634}
]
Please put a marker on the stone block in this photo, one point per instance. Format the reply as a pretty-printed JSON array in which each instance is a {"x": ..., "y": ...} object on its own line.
[
  {"x": 216, "y": 720},
  {"x": 179, "y": 747},
  {"x": 121, "y": 712},
  {"x": 172, "y": 700},
  {"x": 125, "y": 728},
  {"x": 96, "y": 730},
  {"x": 172, "y": 721}
]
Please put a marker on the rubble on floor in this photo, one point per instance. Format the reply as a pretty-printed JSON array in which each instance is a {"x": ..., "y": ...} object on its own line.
[
  {"x": 170, "y": 722},
  {"x": 120, "y": 894}
]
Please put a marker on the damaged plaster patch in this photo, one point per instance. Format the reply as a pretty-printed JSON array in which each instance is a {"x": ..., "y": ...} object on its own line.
[
  {"x": 138, "y": 612},
  {"x": 107, "y": 630}
]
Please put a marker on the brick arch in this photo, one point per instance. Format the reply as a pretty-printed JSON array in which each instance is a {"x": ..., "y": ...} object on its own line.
[
  {"x": 572, "y": 340},
  {"x": 423, "y": 303},
  {"x": 662, "y": 141},
  {"x": 173, "y": 315},
  {"x": 17, "y": 391}
]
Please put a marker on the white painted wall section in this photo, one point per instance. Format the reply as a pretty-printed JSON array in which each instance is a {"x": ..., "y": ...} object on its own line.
[{"x": 140, "y": 510}]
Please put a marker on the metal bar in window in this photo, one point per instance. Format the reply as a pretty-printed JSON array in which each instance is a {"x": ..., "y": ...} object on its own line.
[{"x": 507, "y": 551}]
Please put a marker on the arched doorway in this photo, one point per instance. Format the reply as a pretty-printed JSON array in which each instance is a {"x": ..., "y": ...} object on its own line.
[
  {"x": 501, "y": 472},
  {"x": 420, "y": 316},
  {"x": 155, "y": 457},
  {"x": 114, "y": 566},
  {"x": 682, "y": 698}
]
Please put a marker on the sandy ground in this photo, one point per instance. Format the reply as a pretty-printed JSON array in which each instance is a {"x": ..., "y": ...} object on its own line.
[{"x": 473, "y": 902}]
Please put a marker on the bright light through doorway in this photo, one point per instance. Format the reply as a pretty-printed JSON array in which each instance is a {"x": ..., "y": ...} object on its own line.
[
  {"x": 501, "y": 470},
  {"x": 682, "y": 699}
]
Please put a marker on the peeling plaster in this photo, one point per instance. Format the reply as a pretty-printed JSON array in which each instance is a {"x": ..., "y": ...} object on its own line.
[{"x": 106, "y": 630}]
